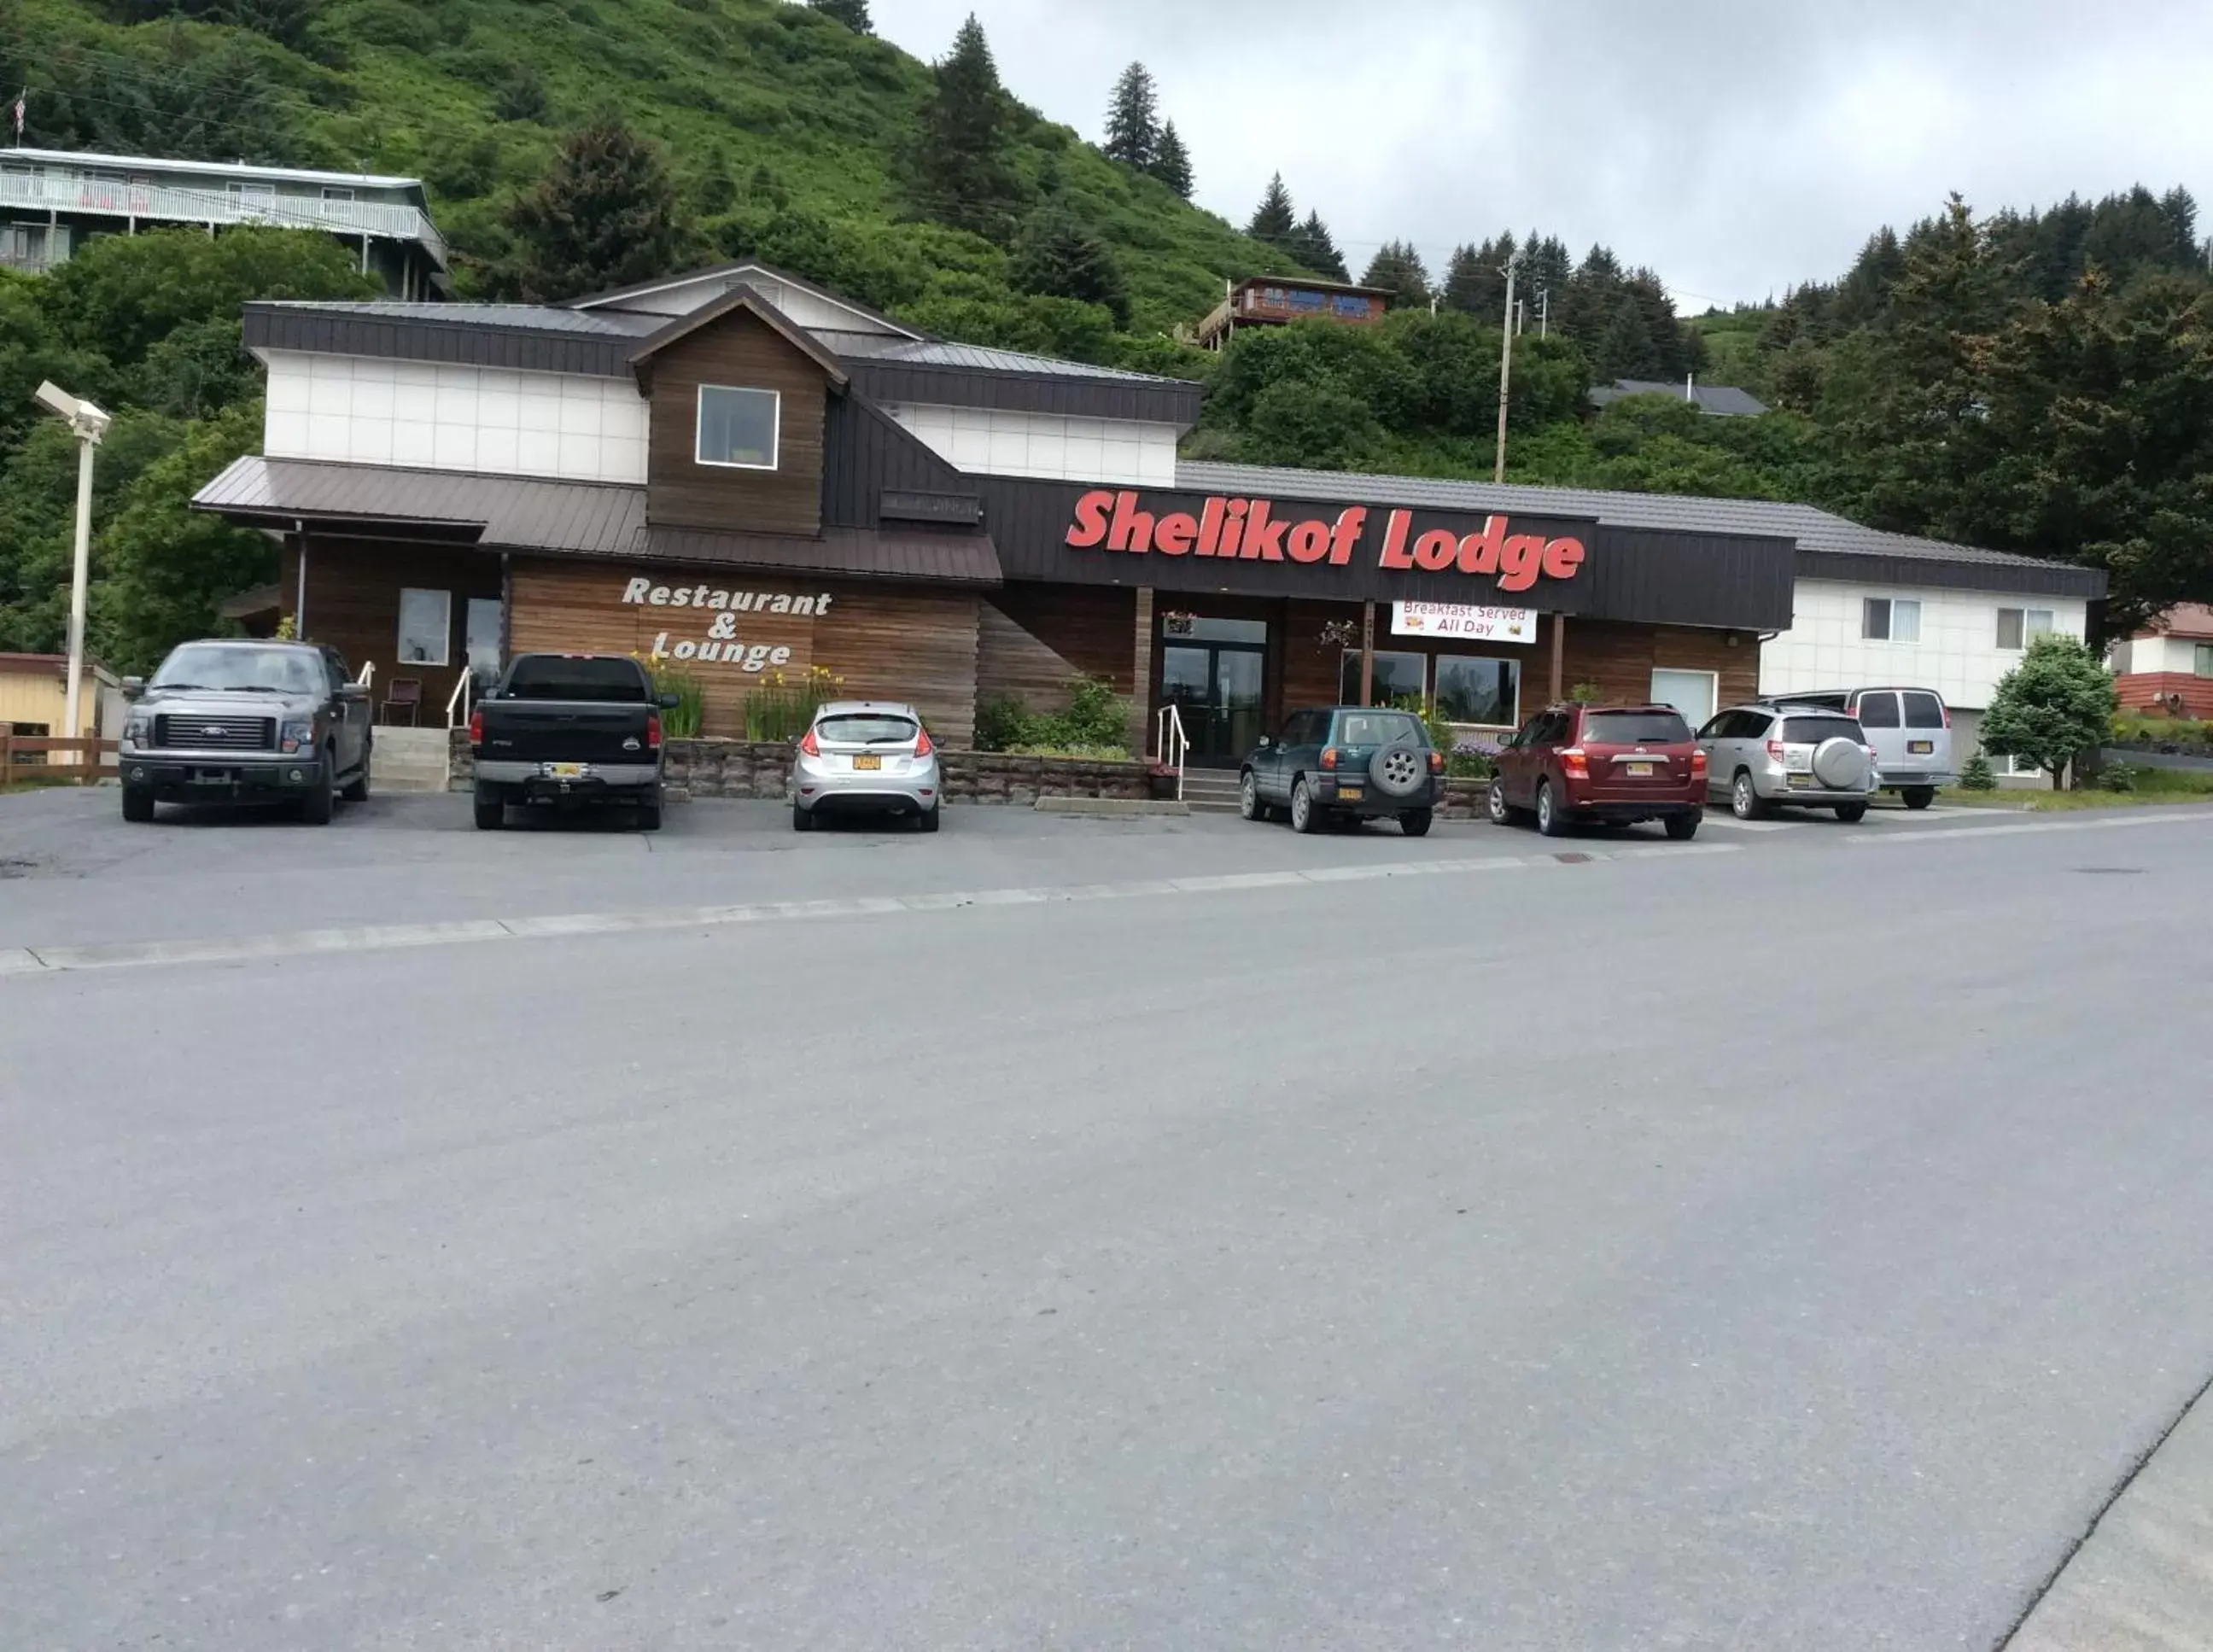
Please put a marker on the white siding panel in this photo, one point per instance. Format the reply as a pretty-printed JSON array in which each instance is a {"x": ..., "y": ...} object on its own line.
[
  {"x": 365, "y": 411},
  {"x": 993, "y": 442},
  {"x": 1958, "y": 654}
]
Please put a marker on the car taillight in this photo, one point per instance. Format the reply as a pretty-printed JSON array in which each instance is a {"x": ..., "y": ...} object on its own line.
[
  {"x": 1436, "y": 761},
  {"x": 652, "y": 730},
  {"x": 1574, "y": 764},
  {"x": 1697, "y": 761},
  {"x": 1774, "y": 750},
  {"x": 1946, "y": 710},
  {"x": 1329, "y": 757},
  {"x": 809, "y": 745},
  {"x": 922, "y": 746},
  {"x": 476, "y": 728}
]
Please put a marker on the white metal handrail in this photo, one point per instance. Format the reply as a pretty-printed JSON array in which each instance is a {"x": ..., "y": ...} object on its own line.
[
  {"x": 368, "y": 677},
  {"x": 55, "y": 190},
  {"x": 1172, "y": 744},
  {"x": 459, "y": 697}
]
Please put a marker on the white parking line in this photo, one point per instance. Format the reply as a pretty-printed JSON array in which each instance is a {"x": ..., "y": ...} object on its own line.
[
  {"x": 1730, "y": 823},
  {"x": 2159, "y": 817},
  {"x": 48, "y": 960}
]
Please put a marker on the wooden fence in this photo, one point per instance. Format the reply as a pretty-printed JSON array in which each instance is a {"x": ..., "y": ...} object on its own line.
[{"x": 42, "y": 760}]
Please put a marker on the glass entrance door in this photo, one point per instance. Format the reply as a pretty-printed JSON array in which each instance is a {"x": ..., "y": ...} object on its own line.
[{"x": 1213, "y": 673}]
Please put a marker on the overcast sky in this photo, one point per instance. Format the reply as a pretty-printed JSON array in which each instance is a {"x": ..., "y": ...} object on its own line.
[{"x": 1736, "y": 147}]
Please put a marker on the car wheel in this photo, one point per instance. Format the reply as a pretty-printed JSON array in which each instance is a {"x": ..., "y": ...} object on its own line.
[
  {"x": 1415, "y": 822},
  {"x": 1683, "y": 828},
  {"x": 1744, "y": 800},
  {"x": 1249, "y": 807},
  {"x": 801, "y": 820},
  {"x": 1919, "y": 797},
  {"x": 1851, "y": 812},
  {"x": 1304, "y": 817},
  {"x": 1551, "y": 820},
  {"x": 1494, "y": 801},
  {"x": 927, "y": 821},
  {"x": 319, "y": 804},
  {"x": 138, "y": 804},
  {"x": 491, "y": 809}
]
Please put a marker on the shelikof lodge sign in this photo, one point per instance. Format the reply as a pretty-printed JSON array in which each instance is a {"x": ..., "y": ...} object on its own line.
[{"x": 1249, "y": 530}]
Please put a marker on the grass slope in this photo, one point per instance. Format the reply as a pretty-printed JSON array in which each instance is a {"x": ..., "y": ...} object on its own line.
[{"x": 761, "y": 105}]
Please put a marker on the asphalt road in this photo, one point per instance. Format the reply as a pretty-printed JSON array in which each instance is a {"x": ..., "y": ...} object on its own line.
[{"x": 1786, "y": 1243}]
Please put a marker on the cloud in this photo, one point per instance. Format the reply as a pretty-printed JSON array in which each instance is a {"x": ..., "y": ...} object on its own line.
[{"x": 1736, "y": 147}]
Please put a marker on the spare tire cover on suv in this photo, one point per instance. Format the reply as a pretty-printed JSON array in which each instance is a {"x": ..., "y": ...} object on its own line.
[
  {"x": 1840, "y": 764},
  {"x": 1400, "y": 769}
]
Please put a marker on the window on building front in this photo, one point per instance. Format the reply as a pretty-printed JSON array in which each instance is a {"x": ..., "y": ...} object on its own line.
[
  {"x": 2019, "y": 627},
  {"x": 1890, "y": 620},
  {"x": 738, "y": 428},
  {"x": 1398, "y": 677},
  {"x": 1486, "y": 692},
  {"x": 426, "y": 627},
  {"x": 2204, "y": 666}
]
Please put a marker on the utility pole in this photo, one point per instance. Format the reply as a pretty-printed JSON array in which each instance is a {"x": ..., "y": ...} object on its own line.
[
  {"x": 89, "y": 424},
  {"x": 1505, "y": 364},
  {"x": 1544, "y": 314}
]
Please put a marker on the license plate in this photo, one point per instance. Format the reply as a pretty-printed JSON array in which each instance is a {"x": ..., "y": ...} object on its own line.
[
  {"x": 1921, "y": 747},
  {"x": 211, "y": 776},
  {"x": 566, "y": 771},
  {"x": 868, "y": 763},
  {"x": 1799, "y": 780},
  {"x": 1354, "y": 793},
  {"x": 1640, "y": 772}
]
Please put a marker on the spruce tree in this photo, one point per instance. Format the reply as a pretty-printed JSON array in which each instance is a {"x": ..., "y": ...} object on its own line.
[
  {"x": 1172, "y": 162},
  {"x": 854, "y": 13},
  {"x": 1466, "y": 280},
  {"x": 1316, "y": 250},
  {"x": 1055, "y": 255},
  {"x": 1275, "y": 221},
  {"x": 1398, "y": 269},
  {"x": 963, "y": 172},
  {"x": 605, "y": 216},
  {"x": 1133, "y": 122},
  {"x": 1625, "y": 349}
]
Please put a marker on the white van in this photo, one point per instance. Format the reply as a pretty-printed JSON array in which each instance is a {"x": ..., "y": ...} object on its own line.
[{"x": 1909, "y": 728}]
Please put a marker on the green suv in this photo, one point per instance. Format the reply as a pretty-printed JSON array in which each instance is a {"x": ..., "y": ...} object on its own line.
[{"x": 1344, "y": 763}]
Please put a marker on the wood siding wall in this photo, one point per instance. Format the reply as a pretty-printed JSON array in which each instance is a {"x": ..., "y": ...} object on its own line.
[
  {"x": 353, "y": 604},
  {"x": 741, "y": 351},
  {"x": 1012, "y": 664},
  {"x": 917, "y": 646},
  {"x": 1087, "y": 625},
  {"x": 1621, "y": 658}
]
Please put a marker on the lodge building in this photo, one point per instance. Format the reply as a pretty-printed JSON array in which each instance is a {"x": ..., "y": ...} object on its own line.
[{"x": 743, "y": 474}]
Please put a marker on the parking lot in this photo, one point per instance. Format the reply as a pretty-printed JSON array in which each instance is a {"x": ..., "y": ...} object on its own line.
[{"x": 1083, "y": 1232}]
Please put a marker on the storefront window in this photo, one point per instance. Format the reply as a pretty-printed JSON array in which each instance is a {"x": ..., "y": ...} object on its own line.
[
  {"x": 426, "y": 626},
  {"x": 1399, "y": 677},
  {"x": 1486, "y": 691}
]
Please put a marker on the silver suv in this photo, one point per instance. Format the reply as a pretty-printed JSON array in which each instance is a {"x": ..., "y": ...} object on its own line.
[{"x": 1767, "y": 754}]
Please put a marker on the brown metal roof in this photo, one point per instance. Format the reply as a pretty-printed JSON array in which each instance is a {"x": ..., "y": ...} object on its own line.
[{"x": 582, "y": 519}]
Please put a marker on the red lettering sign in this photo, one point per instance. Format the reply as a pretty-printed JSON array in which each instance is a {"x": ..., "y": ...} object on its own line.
[{"x": 1249, "y": 530}]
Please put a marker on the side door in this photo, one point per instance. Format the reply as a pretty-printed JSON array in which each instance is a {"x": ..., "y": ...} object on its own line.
[
  {"x": 1713, "y": 740},
  {"x": 1267, "y": 762},
  {"x": 349, "y": 715}
]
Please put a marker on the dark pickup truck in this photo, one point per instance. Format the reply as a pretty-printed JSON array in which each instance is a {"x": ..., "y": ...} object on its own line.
[{"x": 569, "y": 728}]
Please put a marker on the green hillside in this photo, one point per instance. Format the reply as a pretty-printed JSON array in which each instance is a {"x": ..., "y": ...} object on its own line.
[{"x": 785, "y": 129}]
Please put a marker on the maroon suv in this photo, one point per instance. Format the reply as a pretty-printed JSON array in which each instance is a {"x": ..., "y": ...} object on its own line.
[{"x": 1616, "y": 765}]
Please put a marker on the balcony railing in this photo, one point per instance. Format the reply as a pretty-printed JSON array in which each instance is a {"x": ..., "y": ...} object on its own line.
[{"x": 64, "y": 192}]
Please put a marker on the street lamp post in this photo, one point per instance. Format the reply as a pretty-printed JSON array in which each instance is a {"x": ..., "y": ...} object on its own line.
[{"x": 89, "y": 424}]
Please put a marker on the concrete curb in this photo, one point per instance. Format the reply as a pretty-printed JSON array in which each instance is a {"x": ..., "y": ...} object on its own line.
[
  {"x": 2142, "y": 1579},
  {"x": 1109, "y": 806}
]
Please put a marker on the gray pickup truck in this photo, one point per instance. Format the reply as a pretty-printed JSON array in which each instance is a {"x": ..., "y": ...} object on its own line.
[
  {"x": 567, "y": 730},
  {"x": 227, "y": 721}
]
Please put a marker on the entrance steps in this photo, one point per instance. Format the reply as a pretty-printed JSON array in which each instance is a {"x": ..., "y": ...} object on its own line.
[
  {"x": 409, "y": 759},
  {"x": 1210, "y": 791}
]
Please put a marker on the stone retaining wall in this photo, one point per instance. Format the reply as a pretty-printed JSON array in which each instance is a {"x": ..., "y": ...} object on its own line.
[{"x": 738, "y": 768}]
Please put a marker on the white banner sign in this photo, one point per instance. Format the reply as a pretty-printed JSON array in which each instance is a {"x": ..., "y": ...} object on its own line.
[{"x": 1464, "y": 624}]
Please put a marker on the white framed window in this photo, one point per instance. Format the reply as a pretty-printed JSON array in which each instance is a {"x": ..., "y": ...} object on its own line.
[
  {"x": 2019, "y": 627},
  {"x": 1399, "y": 677},
  {"x": 2022, "y": 767},
  {"x": 1890, "y": 620},
  {"x": 739, "y": 429},
  {"x": 1473, "y": 690},
  {"x": 1690, "y": 692},
  {"x": 2202, "y": 661},
  {"x": 426, "y": 627}
]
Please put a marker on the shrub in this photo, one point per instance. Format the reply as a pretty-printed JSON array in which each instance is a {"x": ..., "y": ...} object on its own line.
[
  {"x": 1977, "y": 775},
  {"x": 1095, "y": 725},
  {"x": 782, "y": 707},
  {"x": 2117, "y": 776},
  {"x": 1000, "y": 722}
]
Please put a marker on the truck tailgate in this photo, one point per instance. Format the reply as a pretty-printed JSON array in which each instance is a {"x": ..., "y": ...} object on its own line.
[{"x": 564, "y": 731}]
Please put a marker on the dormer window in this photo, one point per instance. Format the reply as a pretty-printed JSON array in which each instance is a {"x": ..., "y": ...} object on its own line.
[{"x": 738, "y": 428}]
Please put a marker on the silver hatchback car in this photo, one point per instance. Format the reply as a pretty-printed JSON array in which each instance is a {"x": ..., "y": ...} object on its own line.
[
  {"x": 1765, "y": 755},
  {"x": 866, "y": 757}
]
